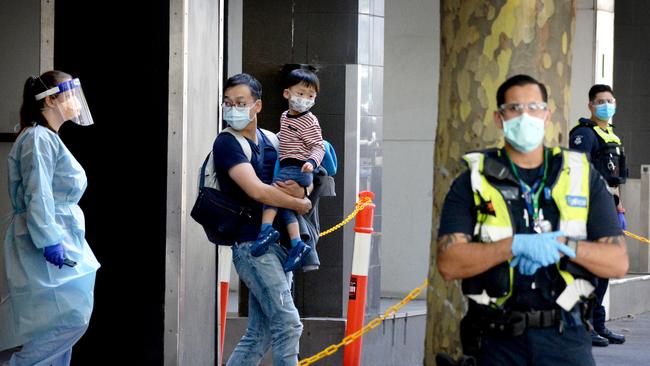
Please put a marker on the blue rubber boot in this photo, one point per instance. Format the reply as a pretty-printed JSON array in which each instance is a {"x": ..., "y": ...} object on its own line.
[
  {"x": 267, "y": 236},
  {"x": 297, "y": 255}
]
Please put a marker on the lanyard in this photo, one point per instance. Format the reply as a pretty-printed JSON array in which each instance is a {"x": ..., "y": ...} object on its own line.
[{"x": 531, "y": 194}]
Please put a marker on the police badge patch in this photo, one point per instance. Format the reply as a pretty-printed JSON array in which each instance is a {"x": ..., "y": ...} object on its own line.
[
  {"x": 578, "y": 140},
  {"x": 576, "y": 201}
]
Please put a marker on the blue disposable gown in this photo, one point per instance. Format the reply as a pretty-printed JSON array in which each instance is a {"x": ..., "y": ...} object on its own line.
[{"x": 45, "y": 185}]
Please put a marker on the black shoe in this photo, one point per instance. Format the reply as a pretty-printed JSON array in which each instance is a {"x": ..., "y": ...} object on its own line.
[
  {"x": 613, "y": 338},
  {"x": 598, "y": 341}
]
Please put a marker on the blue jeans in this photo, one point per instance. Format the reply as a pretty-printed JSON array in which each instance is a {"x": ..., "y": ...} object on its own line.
[
  {"x": 304, "y": 179},
  {"x": 273, "y": 320}
]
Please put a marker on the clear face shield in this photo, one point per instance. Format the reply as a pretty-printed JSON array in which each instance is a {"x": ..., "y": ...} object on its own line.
[{"x": 70, "y": 101}]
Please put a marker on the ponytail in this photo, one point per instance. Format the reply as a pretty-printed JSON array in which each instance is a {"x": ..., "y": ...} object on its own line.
[{"x": 30, "y": 111}]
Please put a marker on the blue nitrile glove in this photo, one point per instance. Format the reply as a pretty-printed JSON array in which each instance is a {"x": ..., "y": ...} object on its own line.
[
  {"x": 526, "y": 266},
  {"x": 541, "y": 248},
  {"x": 621, "y": 220},
  {"x": 54, "y": 254}
]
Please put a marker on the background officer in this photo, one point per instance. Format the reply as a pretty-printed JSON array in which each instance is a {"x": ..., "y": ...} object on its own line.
[{"x": 595, "y": 137}]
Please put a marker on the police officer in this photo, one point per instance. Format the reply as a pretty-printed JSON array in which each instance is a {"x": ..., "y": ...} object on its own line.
[
  {"x": 595, "y": 136},
  {"x": 527, "y": 227}
]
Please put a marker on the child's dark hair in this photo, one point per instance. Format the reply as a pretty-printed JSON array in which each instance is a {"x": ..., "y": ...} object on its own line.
[
  {"x": 245, "y": 79},
  {"x": 302, "y": 74},
  {"x": 599, "y": 88},
  {"x": 30, "y": 111}
]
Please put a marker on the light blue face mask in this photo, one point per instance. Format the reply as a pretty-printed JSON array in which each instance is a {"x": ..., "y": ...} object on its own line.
[
  {"x": 605, "y": 111},
  {"x": 237, "y": 118},
  {"x": 524, "y": 133}
]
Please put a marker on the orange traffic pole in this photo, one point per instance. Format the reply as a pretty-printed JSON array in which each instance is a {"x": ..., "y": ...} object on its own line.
[
  {"x": 359, "y": 280},
  {"x": 225, "y": 261}
]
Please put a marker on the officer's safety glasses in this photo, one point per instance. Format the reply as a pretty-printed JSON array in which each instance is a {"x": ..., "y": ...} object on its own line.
[
  {"x": 603, "y": 101},
  {"x": 519, "y": 108}
]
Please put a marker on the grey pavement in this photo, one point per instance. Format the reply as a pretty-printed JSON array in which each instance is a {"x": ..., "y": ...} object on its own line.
[{"x": 635, "y": 350}]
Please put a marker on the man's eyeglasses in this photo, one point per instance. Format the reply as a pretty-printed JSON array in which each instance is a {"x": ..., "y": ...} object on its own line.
[
  {"x": 603, "y": 101},
  {"x": 518, "y": 108},
  {"x": 239, "y": 105}
]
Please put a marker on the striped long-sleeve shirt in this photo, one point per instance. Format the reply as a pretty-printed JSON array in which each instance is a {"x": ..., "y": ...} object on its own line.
[{"x": 300, "y": 138}]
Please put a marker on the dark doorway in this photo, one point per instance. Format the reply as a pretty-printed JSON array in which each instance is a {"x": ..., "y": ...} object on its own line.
[{"x": 120, "y": 52}]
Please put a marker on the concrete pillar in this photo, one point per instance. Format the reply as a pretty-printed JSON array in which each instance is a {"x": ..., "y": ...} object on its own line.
[
  {"x": 26, "y": 35},
  {"x": 195, "y": 83},
  {"x": 631, "y": 78},
  {"x": 644, "y": 214},
  {"x": 412, "y": 64},
  {"x": 593, "y": 54}
]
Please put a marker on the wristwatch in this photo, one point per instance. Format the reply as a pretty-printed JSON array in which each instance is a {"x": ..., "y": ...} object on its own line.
[{"x": 572, "y": 243}]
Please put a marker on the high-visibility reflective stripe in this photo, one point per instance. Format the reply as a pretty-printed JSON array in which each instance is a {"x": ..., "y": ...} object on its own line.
[
  {"x": 575, "y": 163},
  {"x": 575, "y": 229},
  {"x": 608, "y": 136},
  {"x": 489, "y": 234},
  {"x": 488, "y": 228},
  {"x": 571, "y": 194},
  {"x": 361, "y": 256},
  {"x": 225, "y": 262},
  {"x": 475, "y": 162},
  {"x": 483, "y": 298}
]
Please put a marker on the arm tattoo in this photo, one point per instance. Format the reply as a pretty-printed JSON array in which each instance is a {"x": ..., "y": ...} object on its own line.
[
  {"x": 614, "y": 240},
  {"x": 446, "y": 241}
]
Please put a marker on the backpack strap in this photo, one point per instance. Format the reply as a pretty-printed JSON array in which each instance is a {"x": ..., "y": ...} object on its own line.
[
  {"x": 208, "y": 176},
  {"x": 272, "y": 137},
  {"x": 242, "y": 142}
]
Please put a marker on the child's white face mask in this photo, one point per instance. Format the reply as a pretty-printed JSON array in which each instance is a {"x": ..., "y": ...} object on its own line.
[{"x": 300, "y": 104}]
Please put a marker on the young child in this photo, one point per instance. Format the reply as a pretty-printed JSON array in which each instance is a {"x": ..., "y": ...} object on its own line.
[{"x": 301, "y": 151}]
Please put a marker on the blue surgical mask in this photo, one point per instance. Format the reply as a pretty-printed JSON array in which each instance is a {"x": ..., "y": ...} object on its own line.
[
  {"x": 605, "y": 111},
  {"x": 237, "y": 118},
  {"x": 524, "y": 133}
]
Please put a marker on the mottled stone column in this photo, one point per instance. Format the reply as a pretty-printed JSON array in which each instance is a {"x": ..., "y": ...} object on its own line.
[{"x": 484, "y": 43}]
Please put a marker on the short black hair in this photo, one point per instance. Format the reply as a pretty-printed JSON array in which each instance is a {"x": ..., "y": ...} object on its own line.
[
  {"x": 245, "y": 79},
  {"x": 599, "y": 88},
  {"x": 302, "y": 74},
  {"x": 519, "y": 80}
]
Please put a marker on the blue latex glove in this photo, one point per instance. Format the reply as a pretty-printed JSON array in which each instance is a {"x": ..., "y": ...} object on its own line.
[
  {"x": 541, "y": 248},
  {"x": 526, "y": 266},
  {"x": 54, "y": 254},
  {"x": 621, "y": 220}
]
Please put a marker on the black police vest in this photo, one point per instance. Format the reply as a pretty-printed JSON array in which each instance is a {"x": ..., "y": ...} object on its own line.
[
  {"x": 548, "y": 281},
  {"x": 609, "y": 159}
]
